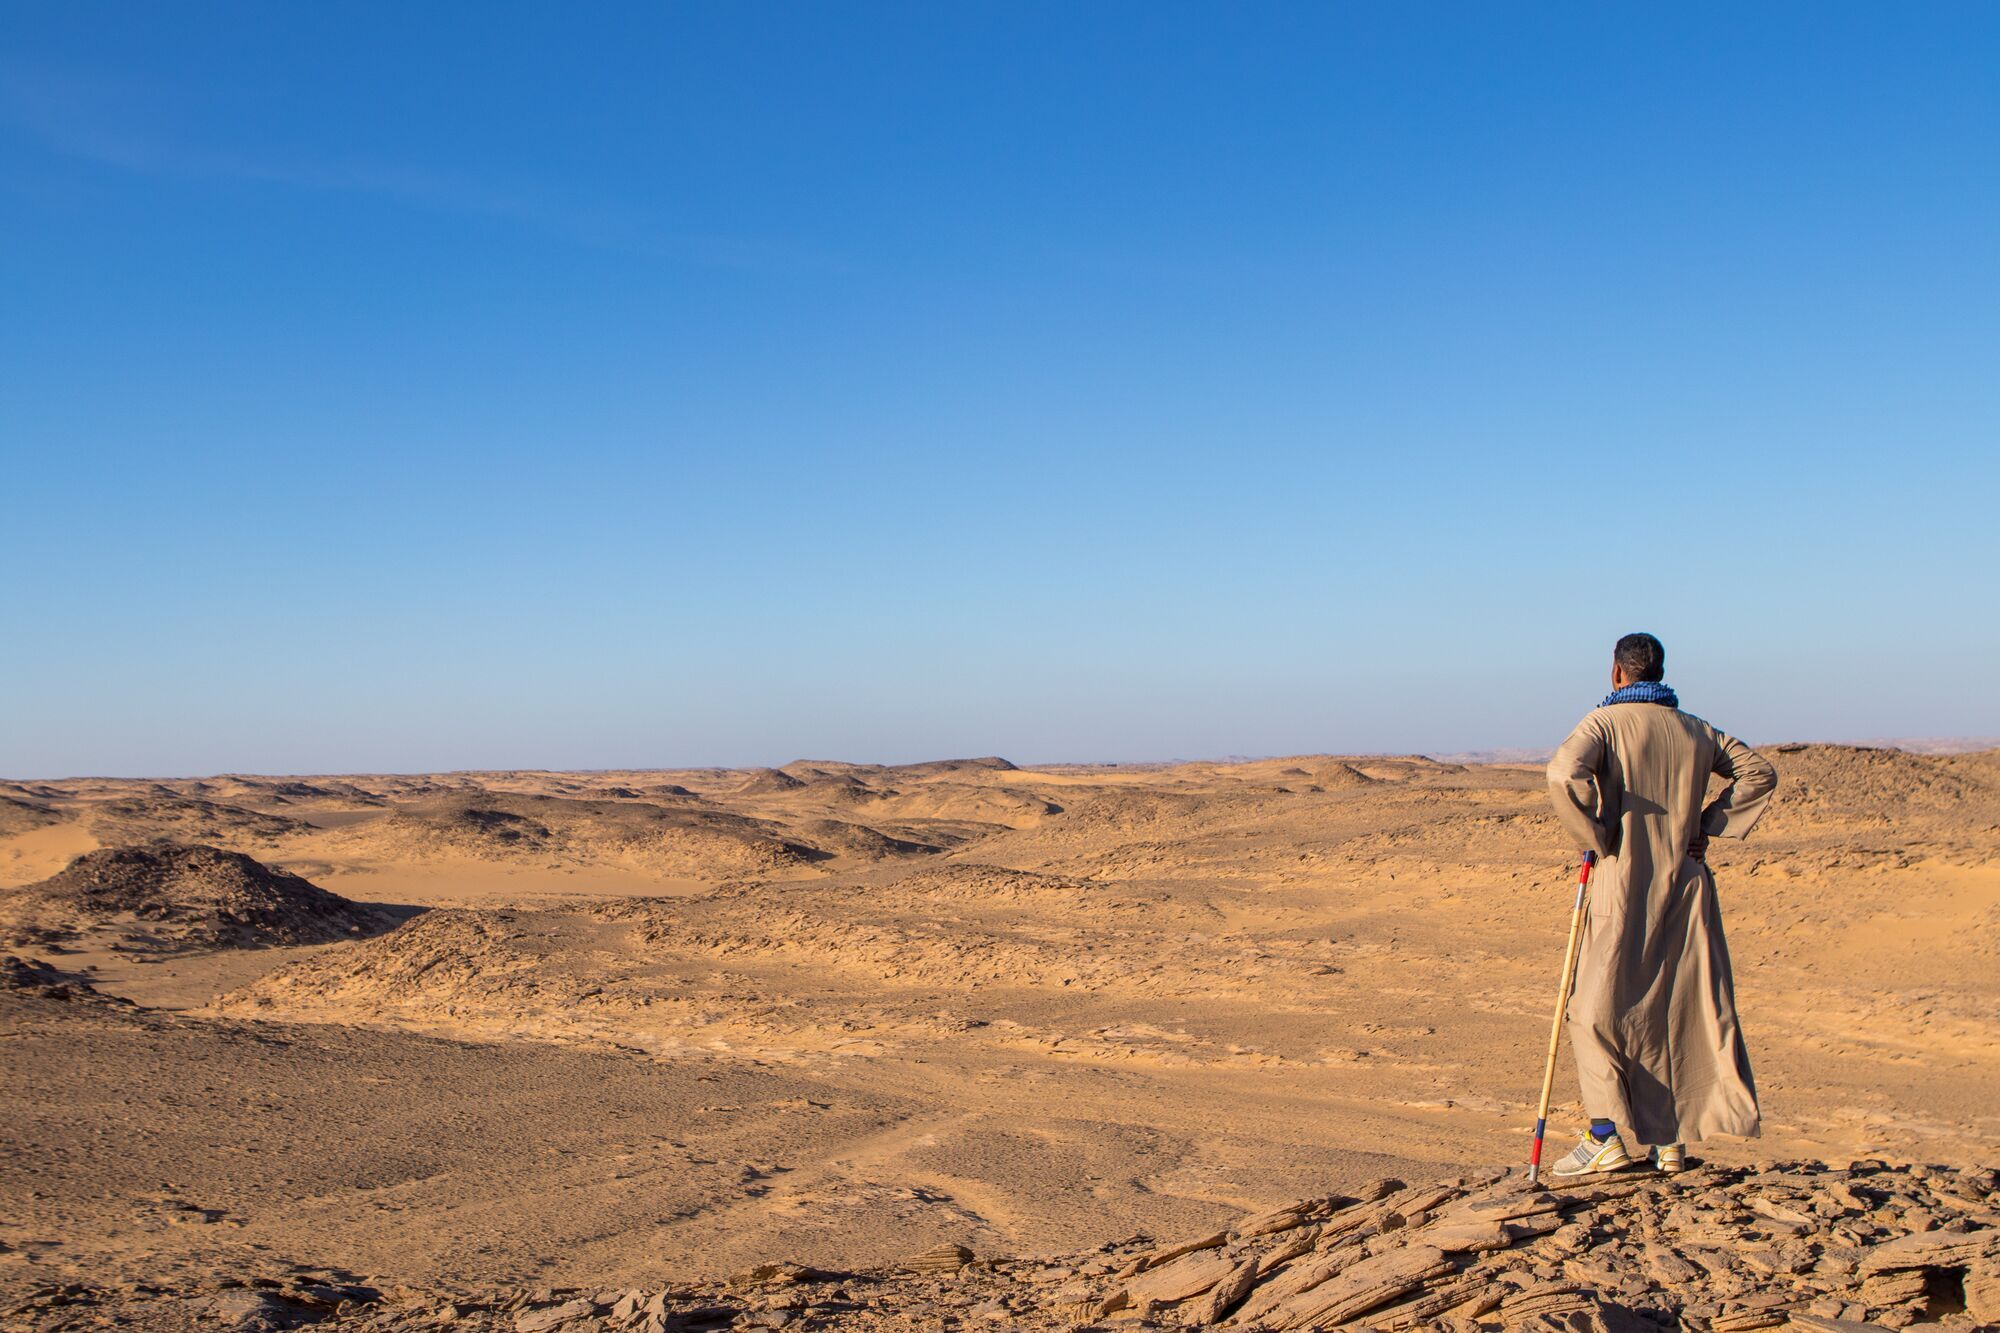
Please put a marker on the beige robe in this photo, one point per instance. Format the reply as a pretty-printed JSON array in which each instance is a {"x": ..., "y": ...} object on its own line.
[{"x": 1653, "y": 1016}]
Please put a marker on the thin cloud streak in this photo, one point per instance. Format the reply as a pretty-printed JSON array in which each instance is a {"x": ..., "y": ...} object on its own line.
[{"x": 94, "y": 121}]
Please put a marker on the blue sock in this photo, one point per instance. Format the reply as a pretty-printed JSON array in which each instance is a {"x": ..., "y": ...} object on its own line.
[{"x": 1602, "y": 1130}]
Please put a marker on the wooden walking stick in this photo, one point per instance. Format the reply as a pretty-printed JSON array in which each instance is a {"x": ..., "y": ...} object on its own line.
[{"x": 1562, "y": 1003}]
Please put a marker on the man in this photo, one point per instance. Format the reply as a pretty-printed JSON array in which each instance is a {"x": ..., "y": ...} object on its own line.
[{"x": 1653, "y": 1016}]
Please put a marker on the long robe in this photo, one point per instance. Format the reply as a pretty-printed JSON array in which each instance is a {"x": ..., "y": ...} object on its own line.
[{"x": 1653, "y": 1017}]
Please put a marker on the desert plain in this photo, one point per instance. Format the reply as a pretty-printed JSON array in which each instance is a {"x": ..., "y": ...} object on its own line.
[{"x": 695, "y": 1048}]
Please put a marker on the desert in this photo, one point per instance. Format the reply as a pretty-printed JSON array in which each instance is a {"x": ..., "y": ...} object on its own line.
[
  {"x": 959, "y": 1044},
  {"x": 1022, "y": 667}
]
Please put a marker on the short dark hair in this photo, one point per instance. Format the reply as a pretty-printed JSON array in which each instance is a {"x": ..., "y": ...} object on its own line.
[{"x": 1642, "y": 657}]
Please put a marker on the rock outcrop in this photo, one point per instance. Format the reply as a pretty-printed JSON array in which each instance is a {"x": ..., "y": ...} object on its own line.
[{"x": 1718, "y": 1249}]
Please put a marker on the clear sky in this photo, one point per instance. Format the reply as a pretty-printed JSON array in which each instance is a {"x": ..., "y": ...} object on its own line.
[{"x": 430, "y": 386}]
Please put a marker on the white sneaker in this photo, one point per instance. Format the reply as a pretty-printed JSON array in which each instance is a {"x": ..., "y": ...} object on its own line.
[
  {"x": 1669, "y": 1158},
  {"x": 1591, "y": 1158}
]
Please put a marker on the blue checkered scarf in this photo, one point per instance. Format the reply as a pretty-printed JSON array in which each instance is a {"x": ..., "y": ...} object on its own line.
[{"x": 1644, "y": 692}]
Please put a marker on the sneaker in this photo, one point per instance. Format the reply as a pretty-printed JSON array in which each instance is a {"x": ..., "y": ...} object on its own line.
[
  {"x": 1669, "y": 1158},
  {"x": 1592, "y": 1157}
]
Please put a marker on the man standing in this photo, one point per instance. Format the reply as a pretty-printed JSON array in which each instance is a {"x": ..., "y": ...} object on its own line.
[{"x": 1653, "y": 1016}]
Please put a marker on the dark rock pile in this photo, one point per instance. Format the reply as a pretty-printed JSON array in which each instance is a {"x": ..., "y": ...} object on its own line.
[
  {"x": 169, "y": 896},
  {"x": 32, "y": 976},
  {"x": 1720, "y": 1249}
]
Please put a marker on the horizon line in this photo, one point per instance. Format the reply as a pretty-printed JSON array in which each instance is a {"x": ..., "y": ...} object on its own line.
[{"x": 1494, "y": 756}]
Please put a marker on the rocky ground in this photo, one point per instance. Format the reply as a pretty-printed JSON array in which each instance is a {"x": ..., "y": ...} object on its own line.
[{"x": 1723, "y": 1249}]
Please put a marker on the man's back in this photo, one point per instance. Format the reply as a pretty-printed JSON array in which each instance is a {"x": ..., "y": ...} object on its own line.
[{"x": 1636, "y": 775}]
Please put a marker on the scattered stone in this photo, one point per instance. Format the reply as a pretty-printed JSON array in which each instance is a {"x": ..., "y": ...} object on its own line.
[
  {"x": 1364, "y": 1286},
  {"x": 247, "y": 1311},
  {"x": 1190, "y": 1275},
  {"x": 1170, "y": 1253},
  {"x": 782, "y": 1273},
  {"x": 538, "y": 1321},
  {"x": 1894, "y": 1288},
  {"x": 1551, "y": 1298},
  {"x": 1278, "y": 1219},
  {"x": 1294, "y": 1245},
  {"x": 945, "y": 1258},
  {"x": 768, "y": 1319},
  {"x": 1227, "y": 1293},
  {"x": 1982, "y": 1290},
  {"x": 1931, "y": 1249},
  {"x": 1087, "y": 1306}
]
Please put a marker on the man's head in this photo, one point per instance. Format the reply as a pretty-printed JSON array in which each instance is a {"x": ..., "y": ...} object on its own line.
[{"x": 1637, "y": 657}]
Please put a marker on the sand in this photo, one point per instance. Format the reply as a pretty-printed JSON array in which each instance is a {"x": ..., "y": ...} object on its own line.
[{"x": 604, "y": 1030}]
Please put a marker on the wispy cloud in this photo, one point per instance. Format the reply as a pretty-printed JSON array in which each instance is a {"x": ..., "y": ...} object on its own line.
[{"x": 128, "y": 128}]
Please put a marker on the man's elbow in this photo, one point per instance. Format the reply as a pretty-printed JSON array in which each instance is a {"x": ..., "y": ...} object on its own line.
[{"x": 1763, "y": 780}]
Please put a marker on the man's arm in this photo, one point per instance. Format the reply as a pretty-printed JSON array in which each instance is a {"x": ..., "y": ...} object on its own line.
[
  {"x": 1573, "y": 787},
  {"x": 1751, "y": 782}
]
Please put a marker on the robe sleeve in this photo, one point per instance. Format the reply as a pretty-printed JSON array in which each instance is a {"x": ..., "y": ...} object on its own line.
[
  {"x": 1573, "y": 786},
  {"x": 1751, "y": 782}
]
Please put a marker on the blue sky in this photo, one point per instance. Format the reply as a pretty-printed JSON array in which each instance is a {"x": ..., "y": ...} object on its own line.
[{"x": 415, "y": 387}]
